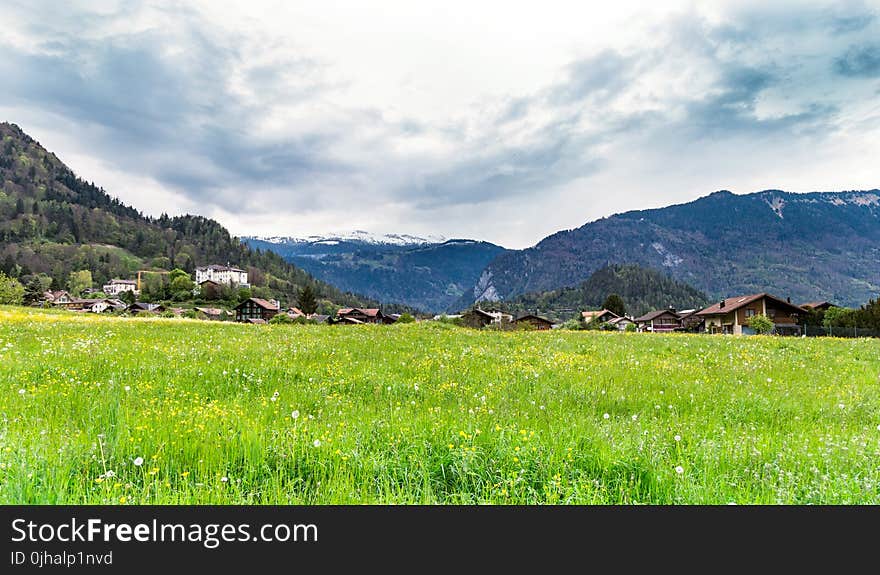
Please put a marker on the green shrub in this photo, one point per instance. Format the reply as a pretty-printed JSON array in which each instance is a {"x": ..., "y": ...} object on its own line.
[
  {"x": 406, "y": 318},
  {"x": 761, "y": 324}
]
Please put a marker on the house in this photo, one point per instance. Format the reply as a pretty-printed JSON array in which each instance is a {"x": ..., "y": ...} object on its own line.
[
  {"x": 56, "y": 297},
  {"x": 117, "y": 286},
  {"x": 362, "y": 315},
  {"x": 390, "y": 318},
  {"x": 535, "y": 321},
  {"x": 659, "y": 321},
  {"x": 116, "y": 304},
  {"x": 144, "y": 307},
  {"x": 481, "y": 318},
  {"x": 256, "y": 308},
  {"x": 690, "y": 321},
  {"x": 211, "y": 313},
  {"x": 817, "y": 305},
  {"x": 318, "y": 318},
  {"x": 224, "y": 275},
  {"x": 600, "y": 316},
  {"x": 294, "y": 312},
  {"x": 621, "y": 322},
  {"x": 731, "y": 315}
]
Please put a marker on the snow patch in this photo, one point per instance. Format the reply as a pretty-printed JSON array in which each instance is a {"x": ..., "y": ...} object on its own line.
[
  {"x": 670, "y": 260},
  {"x": 355, "y": 236},
  {"x": 776, "y": 204}
]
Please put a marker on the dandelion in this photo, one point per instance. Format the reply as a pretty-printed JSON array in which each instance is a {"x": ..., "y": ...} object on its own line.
[
  {"x": 21, "y": 392},
  {"x": 138, "y": 461},
  {"x": 878, "y": 427},
  {"x": 275, "y": 396},
  {"x": 127, "y": 388},
  {"x": 317, "y": 443},
  {"x": 769, "y": 380},
  {"x": 110, "y": 473},
  {"x": 224, "y": 479},
  {"x": 841, "y": 406},
  {"x": 606, "y": 416},
  {"x": 295, "y": 414},
  {"x": 123, "y": 499},
  {"x": 677, "y": 438},
  {"x": 679, "y": 469},
  {"x": 635, "y": 417}
]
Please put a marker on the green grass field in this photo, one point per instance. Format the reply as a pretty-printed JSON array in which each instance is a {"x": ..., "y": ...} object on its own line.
[{"x": 109, "y": 411}]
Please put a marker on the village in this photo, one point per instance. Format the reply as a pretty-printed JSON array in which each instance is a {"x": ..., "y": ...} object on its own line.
[{"x": 732, "y": 315}]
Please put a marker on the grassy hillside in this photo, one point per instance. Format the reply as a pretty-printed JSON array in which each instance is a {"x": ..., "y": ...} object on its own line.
[
  {"x": 427, "y": 413},
  {"x": 52, "y": 222}
]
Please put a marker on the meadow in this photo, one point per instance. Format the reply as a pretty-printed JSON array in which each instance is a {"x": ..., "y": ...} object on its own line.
[{"x": 175, "y": 411}]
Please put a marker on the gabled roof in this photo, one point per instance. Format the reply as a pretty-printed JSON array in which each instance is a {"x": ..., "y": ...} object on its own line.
[
  {"x": 590, "y": 315},
  {"x": 217, "y": 268},
  {"x": 816, "y": 304},
  {"x": 533, "y": 316},
  {"x": 369, "y": 312},
  {"x": 123, "y": 282},
  {"x": 617, "y": 320},
  {"x": 734, "y": 303},
  {"x": 210, "y": 310},
  {"x": 260, "y": 302},
  {"x": 651, "y": 315}
]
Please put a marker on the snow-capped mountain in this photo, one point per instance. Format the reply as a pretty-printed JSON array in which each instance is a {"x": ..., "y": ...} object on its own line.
[{"x": 359, "y": 236}]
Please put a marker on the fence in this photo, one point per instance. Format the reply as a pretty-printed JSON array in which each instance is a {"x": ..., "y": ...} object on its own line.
[{"x": 819, "y": 331}]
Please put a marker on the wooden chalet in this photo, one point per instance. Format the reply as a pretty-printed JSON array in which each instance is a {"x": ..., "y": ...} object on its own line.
[
  {"x": 535, "y": 321},
  {"x": 144, "y": 307},
  {"x": 731, "y": 315},
  {"x": 659, "y": 321},
  {"x": 481, "y": 318},
  {"x": 362, "y": 315},
  {"x": 817, "y": 305},
  {"x": 598, "y": 316},
  {"x": 256, "y": 308}
]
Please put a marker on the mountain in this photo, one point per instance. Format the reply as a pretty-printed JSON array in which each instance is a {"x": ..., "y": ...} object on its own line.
[
  {"x": 419, "y": 272},
  {"x": 810, "y": 246},
  {"x": 52, "y": 223},
  {"x": 642, "y": 290}
]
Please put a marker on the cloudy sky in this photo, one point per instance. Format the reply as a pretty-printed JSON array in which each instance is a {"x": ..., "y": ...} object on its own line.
[{"x": 497, "y": 120}]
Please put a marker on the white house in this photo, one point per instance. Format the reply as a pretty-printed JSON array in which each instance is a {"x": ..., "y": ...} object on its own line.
[
  {"x": 222, "y": 275},
  {"x": 116, "y": 287}
]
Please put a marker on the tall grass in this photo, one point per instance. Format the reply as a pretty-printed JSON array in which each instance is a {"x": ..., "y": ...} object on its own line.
[{"x": 428, "y": 413}]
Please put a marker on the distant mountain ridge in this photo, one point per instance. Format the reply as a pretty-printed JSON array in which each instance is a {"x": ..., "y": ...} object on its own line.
[
  {"x": 809, "y": 246},
  {"x": 410, "y": 270},
  {"x": 359, "y": 236}
]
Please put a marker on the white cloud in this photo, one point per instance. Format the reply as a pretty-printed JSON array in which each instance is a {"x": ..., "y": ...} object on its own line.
[{"x": 497, "y": 120}]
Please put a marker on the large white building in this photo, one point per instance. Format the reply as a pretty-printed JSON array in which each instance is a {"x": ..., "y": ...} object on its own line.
[
  {"x": 116, "y": 287},
  {"x": 222, "y": 275}
]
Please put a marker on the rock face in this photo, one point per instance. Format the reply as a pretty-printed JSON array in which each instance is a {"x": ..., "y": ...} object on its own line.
[{"x": 815, "y": 246}]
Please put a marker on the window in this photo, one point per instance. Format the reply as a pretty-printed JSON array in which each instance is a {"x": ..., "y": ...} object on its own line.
[
  {"x": 771, "y": 312},
  {"x": 750, "y": 312}
]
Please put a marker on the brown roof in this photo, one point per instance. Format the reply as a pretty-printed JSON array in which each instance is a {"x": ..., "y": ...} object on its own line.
[
  {"x": 815, "y": 304},
  {"x": 260, "y": 302},
  {"x": 734, "y": 303},
  {"x": 655, "y": 314},
  {"x": 369, "y": 312},
  {"x": 533, "y": 316},
  {"x": 255, "y": 320},
  {"x": 210, "y": 310},
  {"x": 593, "y": 314}
]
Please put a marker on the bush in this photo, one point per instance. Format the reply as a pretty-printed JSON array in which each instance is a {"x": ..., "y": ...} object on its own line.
[
  {"x": 761, "y": 324},
  {"x": 280, "y": 319},
  {"x": 631, "y": 327},
  {"x": 11, "y": 290},
  {"x": 573, "y": 324},
  {"x": 406, "y": 318}
]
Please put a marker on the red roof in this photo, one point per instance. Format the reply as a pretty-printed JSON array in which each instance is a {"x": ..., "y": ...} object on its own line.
[
  {"x": 734, "y": 303},
  {"x": 262, "y": 303}
]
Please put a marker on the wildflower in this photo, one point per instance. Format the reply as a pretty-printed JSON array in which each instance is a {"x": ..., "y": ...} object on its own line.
[
  {"x": 21, "y": 392},
  {"x": 110, "y": 473},
  {"x": 677, "y": 438},
  {"x": 138, "y": 461},
  {"x": 840, "y": 405},
  {"x": 127, "y": 388},
  {"x": 679, "y": 469},
  {"x": 317, "y": 443},
  {"x": 123, "y": 499},
  {"x": 769, "y": 380},
  {"x": 295, "y": 414},
  {"x": 635, "y": 417},
  {"x": 606, "y": 416},
  {"x": 224, "y": 479},
  {"x": 878, "y": 427}
]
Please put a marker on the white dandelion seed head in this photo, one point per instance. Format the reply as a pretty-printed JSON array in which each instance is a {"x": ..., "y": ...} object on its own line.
[
  {"x": 677, "y": 438},
  {"x": 295, "y": 414},
  {"x": 769, "y": 380},
  {"x": 110, "y": 473},
  {"x": 21, "y": 392},
  {"x": 679, "y": 469},
  {"x": 841, "y": 406},
  {"x": 635, "y": 417},
  {"x": 317, "y": 443},
  {"x": 606, "y": 416},
  {"x": 127, "y": 388},
  {"x": 138, "y": 461},
  {"x": 224, "y": 479}
]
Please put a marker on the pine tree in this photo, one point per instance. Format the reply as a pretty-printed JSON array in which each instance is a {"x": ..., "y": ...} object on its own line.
[
  {"x": 614, "y": 303},
  {"x": 306, "y": 301}
]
